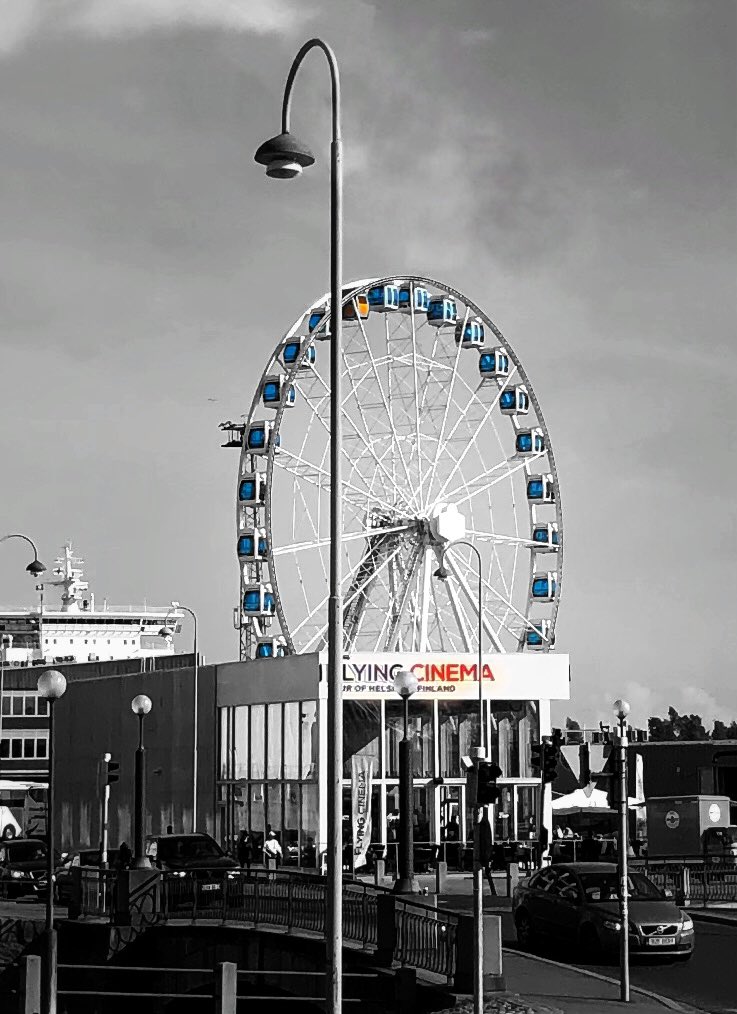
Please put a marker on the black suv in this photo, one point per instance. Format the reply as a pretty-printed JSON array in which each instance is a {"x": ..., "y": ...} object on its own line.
[
  {"x": 194, "y": 868},
  {"x": 22, "y": 866}
]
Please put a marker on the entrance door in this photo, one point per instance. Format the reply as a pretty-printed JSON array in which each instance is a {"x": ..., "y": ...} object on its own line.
[{"x": 452, "y": 807}]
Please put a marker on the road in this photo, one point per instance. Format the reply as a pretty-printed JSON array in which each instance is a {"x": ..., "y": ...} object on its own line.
[{"x": 708, "y": 981}]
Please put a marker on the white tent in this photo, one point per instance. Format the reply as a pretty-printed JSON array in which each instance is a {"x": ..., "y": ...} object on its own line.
[{"x": 590, "y": 799}]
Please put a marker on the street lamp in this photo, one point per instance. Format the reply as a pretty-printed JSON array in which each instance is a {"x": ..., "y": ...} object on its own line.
[
  {"x": 406, "y": 684},
  {"x": 169, "y": 632},
  {"x": 477, "y": 754},
  {"x": 51, "y": 686},
  {"x": 140, "y": 705},
  {"x": 622, "y": 710},
  {"x": 35, "y": 568},
  {"x": 284, "y": 157}
]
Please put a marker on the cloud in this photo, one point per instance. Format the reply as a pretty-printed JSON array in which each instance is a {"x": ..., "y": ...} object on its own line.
[{"x": 24, "y": 19}]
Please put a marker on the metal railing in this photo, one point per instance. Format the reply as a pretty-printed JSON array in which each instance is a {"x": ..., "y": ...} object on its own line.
[
  {"x": 692, "y": 881},
  {"x": 426, "y": 938},
  {"x": 97, "y": 888}
]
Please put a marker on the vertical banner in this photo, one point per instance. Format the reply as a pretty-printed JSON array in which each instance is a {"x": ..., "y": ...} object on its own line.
[{"x": 361, "y": 774}]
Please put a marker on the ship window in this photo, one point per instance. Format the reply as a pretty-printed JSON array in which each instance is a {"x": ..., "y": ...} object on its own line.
[
  {"x": 18, "y": 705},
  {"x": 28, "y": 747},
  {"x": 5, "y": 748},
  {"x": 16, "y": 748},
  {"x": 41, "y": 748},
  {"x": 54, "y": 640},
  {"x": 71, "y": 640},
  {"x": 30, "y": 705}
]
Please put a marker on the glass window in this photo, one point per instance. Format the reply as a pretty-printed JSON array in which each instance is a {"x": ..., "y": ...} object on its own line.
[
  {"x": 6, "y": 704},
  {"x": 16, "y": 748},
  {"x": 41, "y": 747},
  {"x": 274, "y": 810},
  {"x": 516, "y": 723},
  {"x": 240, "y": 742},
  {"x": 42, "y": 706},
  {"x": 224, "y": 746},
  {"x": 310, "y": 826},
  {"x": 29, "y": 704},
  {"x": 290, "y": 838},
  {"x": 18, "y": 704},
  {"x": 258, "y": 741},
  {"x": 273, "y": 761},
  {"x": 420, "y": 734},
  {"x": 5, "y": 748},
  {"x": 504, "y": 815},
  {"x": 361, "y": 730},
  {"x": 258, "y": 813},
  {"x": 459, "y": 731},
  {"x": 309, "y": 739},
  {"x": 29, "y": 747},
  {"x": 526, "y": 806},
  {"x": 291, "y": 740}
]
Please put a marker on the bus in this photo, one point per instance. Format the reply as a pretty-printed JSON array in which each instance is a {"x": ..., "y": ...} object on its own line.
[{"x": 22, "y": 809}]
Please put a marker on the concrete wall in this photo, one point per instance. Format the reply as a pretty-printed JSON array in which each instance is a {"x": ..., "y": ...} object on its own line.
[{"x": 95, "y": 717}]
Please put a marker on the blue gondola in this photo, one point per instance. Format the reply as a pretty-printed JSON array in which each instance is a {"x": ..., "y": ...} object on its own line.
[
  {"x": 494, "y": 363},
  {"x": 290, "y": 354},
  {"x": 315, "y": 323},
  {"x": 541, "y": 488},
  {"x": 259, "y": 436},
  {"x": 538, "y": 636},
  {"x": 273, "y": 388},
  {"x": 514, "y": 400},
  {"x": 253, "y": 545},
  {"x": 420, "y": 302},
  {"x": 441, "y": 310},
  {"x": 529, "y": 442},
  {"x": 271, "y": 647},
  {"x": 544, "y": 586},
  {"x": 252, "y": 489},
  {"x": 471, "y": 334},
  {"x": 258, "y": 600},
  {"x": 545, "y": 537},
  {"x": 383, "y": 298}
]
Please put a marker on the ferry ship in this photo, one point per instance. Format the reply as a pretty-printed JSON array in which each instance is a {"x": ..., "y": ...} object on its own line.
[{"x": 76, "y": 630}]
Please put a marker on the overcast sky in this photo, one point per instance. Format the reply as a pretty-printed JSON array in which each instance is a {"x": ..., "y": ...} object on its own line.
[{"x": 568, "y": 164}]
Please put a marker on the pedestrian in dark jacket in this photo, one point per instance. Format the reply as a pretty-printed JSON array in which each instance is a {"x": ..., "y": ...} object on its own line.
[
  {"x": 244, "y": 850},
  {"x": 125, "y": 856}
]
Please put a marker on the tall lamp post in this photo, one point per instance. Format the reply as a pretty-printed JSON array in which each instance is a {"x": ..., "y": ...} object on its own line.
[
  {"x": 478, "y": 754},
  {"x": 167, "y": 631},
  {"x": 35, "y": 568},
  {"x": 406, "y": 683},
  {"x": 622, "y": 710},
  {"x": 285, "y": 157},
  {"x": 140, "y": 705},
  {"x": 51, "y": 686}
]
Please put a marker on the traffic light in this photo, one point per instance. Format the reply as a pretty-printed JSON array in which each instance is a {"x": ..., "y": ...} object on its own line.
[
  {"x": 537, "y": 757},
  {"x": 487, "y": 791},
  {"x": 584, "y": 765},
  {"x": 551, "y": 756},
  {"x": 113, "y": 771}
]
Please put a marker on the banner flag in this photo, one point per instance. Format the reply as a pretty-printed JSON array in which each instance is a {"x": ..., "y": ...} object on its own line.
[{"x": 361, "y": 775}]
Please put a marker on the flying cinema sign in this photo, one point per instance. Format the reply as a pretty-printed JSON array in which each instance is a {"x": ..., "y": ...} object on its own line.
[{"x": 518, "y": 676}]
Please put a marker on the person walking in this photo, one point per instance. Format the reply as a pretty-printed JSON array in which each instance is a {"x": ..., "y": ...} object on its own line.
[
  {"x": 244, "y": 850},
  {"x": 272, "y": 849},
  {"x": 125, "y": 856}
]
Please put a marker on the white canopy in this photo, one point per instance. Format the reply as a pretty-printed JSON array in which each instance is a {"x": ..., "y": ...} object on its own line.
[{"x": 582, "y": 799}]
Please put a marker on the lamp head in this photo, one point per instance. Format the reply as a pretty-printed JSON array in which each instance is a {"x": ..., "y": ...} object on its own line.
[
  {"x": 284, "y": 156},
  {"x": 406, "y": 683},
  {"x": 35, "y": 567},
  {"x": 167, "y": 632},
  {"x": 442, "y": 573},
  {"x": 621, "y": 709},
  {"x": 141, "y": 705},
  {"x": 52, "y": 685}
]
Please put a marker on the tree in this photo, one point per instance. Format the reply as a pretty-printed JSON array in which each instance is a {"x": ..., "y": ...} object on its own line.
[{"x": 660, "y": 730}]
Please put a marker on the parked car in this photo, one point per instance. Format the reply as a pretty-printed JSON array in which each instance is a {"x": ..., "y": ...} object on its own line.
[
  {"x": 22, "y": 865},
  {"x": 196, "y": 866},
  {"x": 577, "y": 904},
  {"x": 82, "y": 857}
]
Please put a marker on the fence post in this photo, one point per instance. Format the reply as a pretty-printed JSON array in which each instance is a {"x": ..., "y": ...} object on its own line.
[
  {"x": 512, "y": 878},
  {"x": 405, "y": 989},
  {"x": 386, "y": 929},
  {"x": 31, "y": 985},
  {"x": 683, "y": 895},
  {"x": 226, "y": 987},
  {"x": 493, "y": 977},
  {"x": 706, "y": 885},
  {"x": 379, "y": 872},
  {"x": 441, "y": 876}
]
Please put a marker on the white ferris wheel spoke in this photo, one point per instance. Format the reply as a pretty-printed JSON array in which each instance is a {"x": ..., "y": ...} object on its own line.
[
  {"x": 473, "y": 600},
  {"x": 494, "y": 481},
  {"x": 298, "y": 547}
]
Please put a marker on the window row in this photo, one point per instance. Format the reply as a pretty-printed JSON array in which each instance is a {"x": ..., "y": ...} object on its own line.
[
  {"x": 22, "y": 703},
  {"x": 269, "y": 741},
  {"x": 24, "y": 746}
]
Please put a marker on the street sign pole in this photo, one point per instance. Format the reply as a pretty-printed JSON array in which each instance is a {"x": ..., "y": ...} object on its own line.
[{"x": 624, "y": 956}]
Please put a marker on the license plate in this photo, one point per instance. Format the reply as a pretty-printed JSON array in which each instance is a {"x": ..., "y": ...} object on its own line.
[
  {"x": 211, "y": 887},
  {"x": 662, "y": 941}
]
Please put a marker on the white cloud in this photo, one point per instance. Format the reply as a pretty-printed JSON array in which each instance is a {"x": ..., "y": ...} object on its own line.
[{"x": 22, "y": 19}]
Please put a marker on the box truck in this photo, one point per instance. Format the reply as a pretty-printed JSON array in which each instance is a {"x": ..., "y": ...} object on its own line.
[{"x": 690, "y": 826}]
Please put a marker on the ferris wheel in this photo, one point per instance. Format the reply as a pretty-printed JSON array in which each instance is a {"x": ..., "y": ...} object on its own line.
[{"x": 439, "y": 420}]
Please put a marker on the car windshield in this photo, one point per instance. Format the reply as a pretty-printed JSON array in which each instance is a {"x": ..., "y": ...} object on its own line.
[
  {"x": 603, "y": 887},
  {"x": 179, "y": 849},
  {"x": 27, "y": 851}
]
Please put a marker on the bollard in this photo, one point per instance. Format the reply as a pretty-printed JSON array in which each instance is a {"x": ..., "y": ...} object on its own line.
[
  {"x": 512, "y": 878},
  {"x": 379, "y": 873},
  {"x": 493, "y": 975},
  {"x": 31, "y": 985},
  {"x": 441, "y": 877},
  {"x": 683, "y": 890},
  {"x": 386, "y": 929},
  {"x": 226, "y": 987}
]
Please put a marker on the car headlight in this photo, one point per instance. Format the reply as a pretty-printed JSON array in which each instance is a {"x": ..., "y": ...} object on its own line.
[
  {"x": 178, "y": 873},
  {"x": 612, "y": 924},
  {"x": 687, "y": 923},
  {"x": 17, "y": 874}
]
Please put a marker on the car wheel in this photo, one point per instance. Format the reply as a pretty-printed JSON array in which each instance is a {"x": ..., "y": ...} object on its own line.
[
  {"x": 589, "y": 943},
  {"x": 525, "y": 930},
  {"x": 8, "y": 832}
]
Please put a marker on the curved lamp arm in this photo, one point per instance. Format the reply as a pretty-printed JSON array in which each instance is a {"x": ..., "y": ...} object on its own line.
[
  {"x": 334, "y": 82},
  {"x": 31, "y": 543}
]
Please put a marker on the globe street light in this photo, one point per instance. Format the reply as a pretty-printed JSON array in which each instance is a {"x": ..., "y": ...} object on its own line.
[
  {"x": 285, "y": 156},
  {"x": 51, "y": 686},
  {"x": 478, "y": 754},
  {"x": 621, "y": 710},
  {"x": 140, "y": 705},
  {"x": 406, "y": 684},
  {"x": 35, "y": 568},
  {"x": 168, "y": 632}
]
